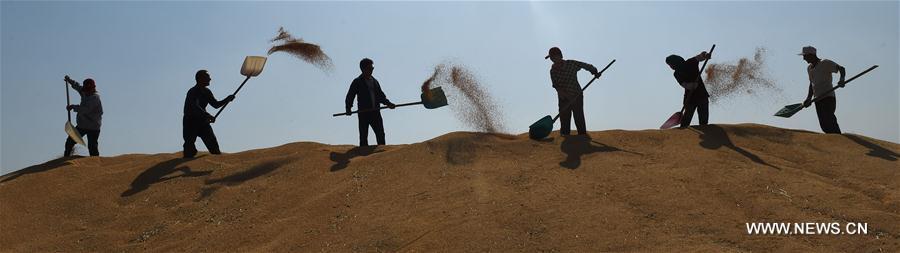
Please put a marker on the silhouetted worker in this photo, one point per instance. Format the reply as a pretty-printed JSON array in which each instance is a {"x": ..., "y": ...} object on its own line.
[
  {"x": 368, "y": 95},
  {"x": 89, "y": 117},
  {"x": 820, "y": 71},
  {"x": 196, "y": 121},
  {"x": 564, "y": 75},
  {"x": 696, "y": 98}
]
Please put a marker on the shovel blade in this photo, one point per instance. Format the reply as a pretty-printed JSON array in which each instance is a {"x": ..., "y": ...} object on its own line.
[
  {"x": 541, "y": 128},
  {"x": 73, "y": 133},
  {"x": 434, "y": 98},
  {"x": 789, "y": 110},
  {"x": 253, "y": 65},
  {"x": 673, "y": 121}
]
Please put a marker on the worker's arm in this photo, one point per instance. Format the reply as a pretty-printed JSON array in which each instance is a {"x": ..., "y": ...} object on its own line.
[
  {"x": 843, "y": 72},
  {"x": 809, "y": 96},
  {"x": 87, "y": 106},
  {"x": 351, "y": 94},
  {"x": 703, "y": 56},
  {"x": 553, "y": 82},
  {"x": 381, "y": 97},
  {"x": 588, "y": 67},
  {"x": 80, "y": 108},
  {"x": 217, "y": 103},
  {"x": 75, "y": 85}
]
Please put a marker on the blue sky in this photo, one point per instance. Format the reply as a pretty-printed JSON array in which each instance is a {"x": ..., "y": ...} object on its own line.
[{"x": 143, "y": 56}]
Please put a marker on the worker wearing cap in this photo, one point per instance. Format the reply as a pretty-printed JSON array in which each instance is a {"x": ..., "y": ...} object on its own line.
[
  {"x": 696, "y": 98},
  {"x": 820, "y": 71},
  {"x": 564, "y": 76},
  {"x": 368, "y": 94},
  {"x": 196, "y": 121},
  {"x": 89, "y": 115}
]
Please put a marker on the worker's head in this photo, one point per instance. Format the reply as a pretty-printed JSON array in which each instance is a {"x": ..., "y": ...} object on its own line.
[
  {"x": 202, "y": 77},
  {"x": 809, "y": 54},
  {"x": 674, "y": 61},
  {"x": 366, "y": 65},
  {"x": 554, "y": 55},
  {"x": 89, "y": 86}
]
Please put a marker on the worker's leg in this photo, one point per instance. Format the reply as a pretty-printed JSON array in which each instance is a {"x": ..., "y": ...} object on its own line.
[
  {"x": 70, "y": 144},
  {"x": 703, "y": 113},
  {"x": 827, "y": 120},
  {"x": 688, "y": 115},
  {"x": 364, "y": 122},
  {"x": 209, "y": 139},
  {"x": 378, "y": 127},
  {"x": 93, "y": 146},
  {"x": 565, "y": 115},
  {"x": 578, "y": 111},
  {"x": 189, "y": 134}
]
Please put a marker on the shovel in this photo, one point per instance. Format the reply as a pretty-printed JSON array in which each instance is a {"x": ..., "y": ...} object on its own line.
[
  {"x": 70, "y": 129},
  {"x": 544, "y": 126},
  {"x": 675, "y": 119},
  {"x": 253, "y": 65},
  {"x": 790, "y": 110},
  {"x": 434, "y": 98}
]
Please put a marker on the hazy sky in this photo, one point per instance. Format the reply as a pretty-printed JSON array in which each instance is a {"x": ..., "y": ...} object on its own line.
[{"x": 143, "y": 56}]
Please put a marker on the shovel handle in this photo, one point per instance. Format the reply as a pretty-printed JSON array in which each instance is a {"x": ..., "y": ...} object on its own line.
[
  {"x": 374, "y": 109},
  {"x": 845, "y": 82},
  {"x": 707, "y": 60},
  {"x": 598, "y": 75},
  {"x": 586, "y": 86},
  {"x": 607, "y": 66},
  {"x": 691, "y": 93},
  {"x": 233, "y": 94},
  {"x": 68, "y": 102}
]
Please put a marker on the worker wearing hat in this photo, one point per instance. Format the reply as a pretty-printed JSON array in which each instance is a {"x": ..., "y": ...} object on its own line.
[
  {"x": 820, "y": 71},
  {"x": 564, "y": 76},
  {"x": 89, "y": 115}
]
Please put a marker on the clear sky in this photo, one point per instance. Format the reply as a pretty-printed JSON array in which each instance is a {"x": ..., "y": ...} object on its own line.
[{"x": 143, "y": 56}]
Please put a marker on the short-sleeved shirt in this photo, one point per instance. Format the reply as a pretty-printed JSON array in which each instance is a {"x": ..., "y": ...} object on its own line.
[
  {"x": 820, "y": 77},
  {"x": 564, "y": 76}
]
